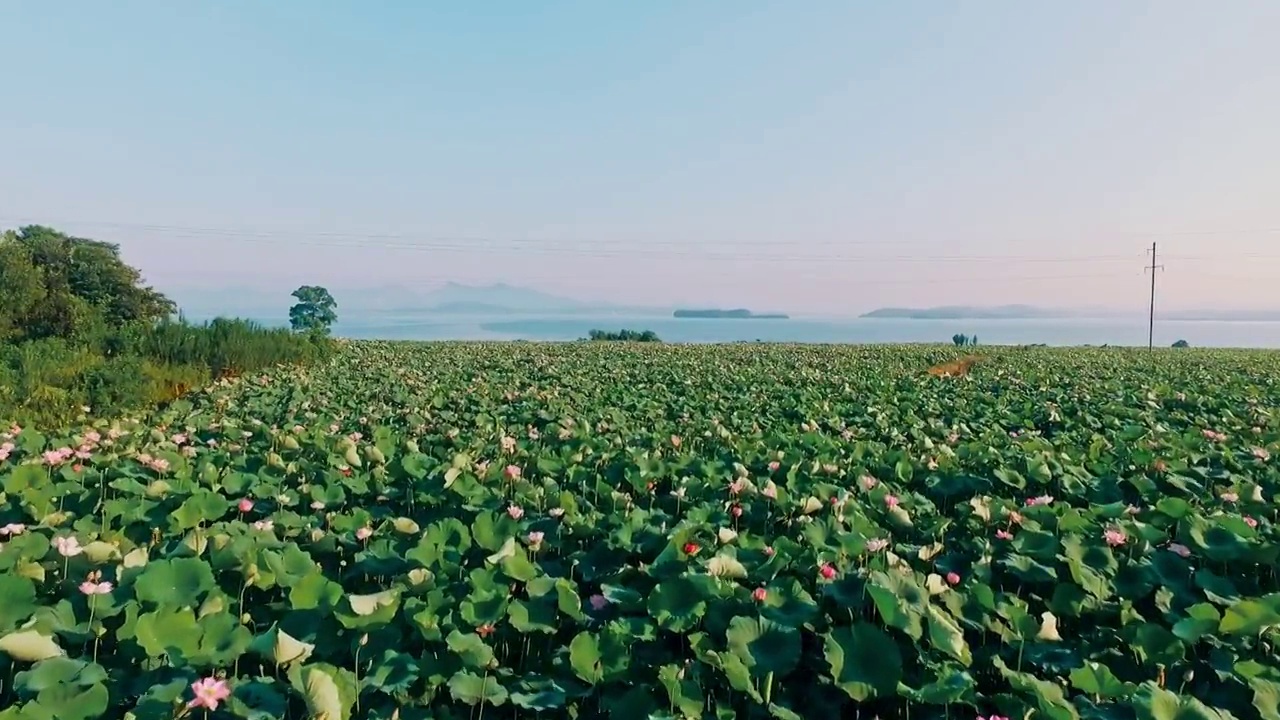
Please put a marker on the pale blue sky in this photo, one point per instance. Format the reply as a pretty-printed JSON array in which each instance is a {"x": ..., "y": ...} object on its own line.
[{"x": 807, "y": 156}]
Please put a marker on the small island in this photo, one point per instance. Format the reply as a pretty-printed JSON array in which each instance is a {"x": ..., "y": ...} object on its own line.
[{"x": 736, "y": 314}]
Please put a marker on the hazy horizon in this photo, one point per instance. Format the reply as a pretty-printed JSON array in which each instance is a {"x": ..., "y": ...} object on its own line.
[{"x": 804, "y": 159}]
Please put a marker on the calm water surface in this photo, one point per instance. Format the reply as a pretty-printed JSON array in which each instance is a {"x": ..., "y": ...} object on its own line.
[{"x": 1074, "y": 331}]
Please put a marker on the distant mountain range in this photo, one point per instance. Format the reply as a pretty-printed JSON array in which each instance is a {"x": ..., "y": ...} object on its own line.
[
  {"x": 737, "y": 314},
  {"x": 450, "y": 298},
  {"x": 1031, "y": 312}
]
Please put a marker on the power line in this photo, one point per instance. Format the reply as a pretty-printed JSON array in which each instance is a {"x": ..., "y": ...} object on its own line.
[{"x": 651, "y": 250}]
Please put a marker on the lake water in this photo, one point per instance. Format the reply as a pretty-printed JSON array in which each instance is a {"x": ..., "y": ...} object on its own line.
[{"x": 1073, "y": 331}]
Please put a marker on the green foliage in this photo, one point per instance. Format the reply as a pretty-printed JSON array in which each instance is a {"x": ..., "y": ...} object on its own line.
[
  {"x": 78, "y": 329},
  {"x": 1181, "y": 344},
  {"x": 592, "y": 531},
  {"x": 962, "y": 340},
  {"x": 644, "y": 336},
  {"x": 314, "y": 311}
]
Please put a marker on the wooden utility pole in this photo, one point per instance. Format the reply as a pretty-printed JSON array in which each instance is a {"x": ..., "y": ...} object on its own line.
[{"x": 1151, "y": 316}]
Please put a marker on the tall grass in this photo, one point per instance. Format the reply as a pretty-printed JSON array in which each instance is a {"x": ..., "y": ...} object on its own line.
[{"x": 48, "y": 381}]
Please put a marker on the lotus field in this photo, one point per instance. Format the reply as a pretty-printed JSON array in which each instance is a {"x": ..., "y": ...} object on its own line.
[{"x": 633, "y": 531}]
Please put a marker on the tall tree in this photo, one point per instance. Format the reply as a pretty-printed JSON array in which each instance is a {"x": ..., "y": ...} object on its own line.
[
  {"x": 314, "y": 311},
  {"x": 62, "y": 285}
]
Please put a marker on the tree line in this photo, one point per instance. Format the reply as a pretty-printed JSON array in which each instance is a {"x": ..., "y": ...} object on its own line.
[{"x": 79, "y": 328}]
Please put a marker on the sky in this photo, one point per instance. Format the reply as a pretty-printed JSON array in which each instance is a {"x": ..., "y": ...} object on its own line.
[{"x": 822, "y": 157}]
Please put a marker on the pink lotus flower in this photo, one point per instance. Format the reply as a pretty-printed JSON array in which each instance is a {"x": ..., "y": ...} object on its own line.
[
  {"x": 67, "y": 546},
  {"x": 736, "y": 486},
  {"x": 953, "y": 578},
  {"x": 535, "y": 539},
  {"x": 179, "y": 439},
  {"x": 12, "y": 529},
  {"x": 675, "y": 441},
  {"x": 508, "y": 444},
  {"x": 208, "y": 693},
  {"x": 1180, "y": 550},
  {"x": 891, "y": 500},
  {"x": 770, "y": 492},
  {"x": 736, "y": 511},
  {"x": 1261, "y": 454},
  {"x": 515, "y": 511},
  {"x": 245, "y": 505},
  {"x": 828, "y": 571},
  {"x": 364, "y": 533},
  {"x": 868, "y": 482},
  {"x": 769, "y": 551},
  {"x": 1015, "y": 517},
  {"x": 598, "y": 602},
  {"x": 556, "y": 512},
  {"x": 1250, "y": 521},
  {"x": 1229, "y": 497},
  {"x": 1040, "y": 500},
  {"x": 264, "y": 525},
  {"x": 1004, "y": 535},
  {"x": 1114, "y": 537},
  {"x": 993, "y": 717},
  {"x": 877, "y": 544},
  {"x": 317, "y": 505},
  {"x": 512, "y": 472},
  {"x": 774, "y": 465},
  {"x": 95, "y": 588},
  {"x": 760, "y": 594}
]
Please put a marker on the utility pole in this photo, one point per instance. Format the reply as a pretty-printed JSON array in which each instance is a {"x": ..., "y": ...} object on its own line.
[{"x": 1151, "y": 317}]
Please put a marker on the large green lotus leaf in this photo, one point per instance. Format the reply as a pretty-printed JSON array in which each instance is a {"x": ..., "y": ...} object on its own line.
[
  {"x": 391, "y": 673},
  {"x": 24, "y": 477},
  {"x": 177, "y": 582},
  {"x": 365, "y": 611},
  {"x": 1202, "y": 619},
  {"x": 1266, "y": 698},
  {"x": 280, "y": 647},
  {"x": 763, "y": 645},
  {"x": 538, "y": 695},
  {"x": 900, "y": 600},
  {"x": 1152, "y": 702},
  {"x": 472, "y": 689},
  {"x": 1050, "y": 698},
  {"x": 519, "y": 567},
  {"x": 945, "y": 635},
  {"x": 585, "y": 658},
  {"x": 17, "y": 600},
  {"x": 202, "y": 508},
  {"x": 1251, "y": 617},
  {"x": 315, "y": 591},
  {"x": 329, "y": 692},
  {"x": 532, "y": 616},
  {"x": 57, "y": 671},
  {"x": 951, "y": 685},
  {"x": 258, "y": 700},
  {"x": 683, "y": 694},
  {"x": 677, "y": 604},
  {"x": 865, "y": 662},
  {"x": 168, "y": 629},
  {"x": 484, "y": 607},
  {"x": 222, "y": 639},
  {"x": 69, "y": 702},
  {"x": 789, "y": 604},
  {"x": 1097, "y": 679},
  {"x": 30, "y": 646},
  {"x": 471, "y": 649}
]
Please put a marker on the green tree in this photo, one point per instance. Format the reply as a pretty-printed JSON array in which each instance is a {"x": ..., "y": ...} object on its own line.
[
  {"x": 56, "y": 285},
  {"x": 314, "y": 311}
]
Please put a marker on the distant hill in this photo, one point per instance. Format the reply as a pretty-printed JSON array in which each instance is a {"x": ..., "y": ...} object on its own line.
[
  {"x": 736, "y": 314},
  {"x": 962, "y": 312}
]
